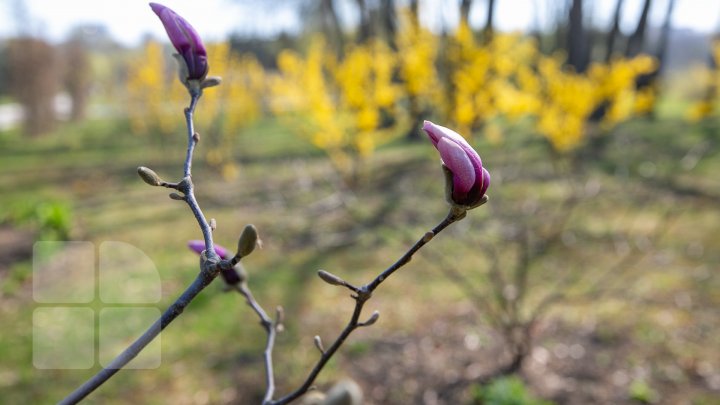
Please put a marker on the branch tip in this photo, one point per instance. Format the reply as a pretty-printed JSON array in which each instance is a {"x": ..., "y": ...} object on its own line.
[
  {"x": 331, "y": 278},
  {"x": 248, "y": 241},
  {"x": 371, "y": 321},
  {"x": 149, "y": 176},
  {"x": 319, "y": 344}
]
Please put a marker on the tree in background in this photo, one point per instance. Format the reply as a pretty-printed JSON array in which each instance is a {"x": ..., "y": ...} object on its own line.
[
  {"x": 577, "y": 44},
  {"x": 77, "y": 76},
  {"x": 33, "y": 76},
  {"x": 614, "y": 31},
  {"x": 637, "y": 39}
]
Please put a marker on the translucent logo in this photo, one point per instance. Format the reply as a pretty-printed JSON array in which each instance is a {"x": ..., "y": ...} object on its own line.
[{"x": 90, "y": 308}]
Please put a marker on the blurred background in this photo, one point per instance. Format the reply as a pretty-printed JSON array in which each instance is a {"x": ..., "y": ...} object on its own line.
[{"x": 591, "y": 276}]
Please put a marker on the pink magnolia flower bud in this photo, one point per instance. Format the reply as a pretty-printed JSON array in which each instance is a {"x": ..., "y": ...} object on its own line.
[
  {"x": 231, "y": 276},
  {"x": 185, "y": 40},
  {"x": 470, "y": 180},
  {"x": 198, "y": 246}
]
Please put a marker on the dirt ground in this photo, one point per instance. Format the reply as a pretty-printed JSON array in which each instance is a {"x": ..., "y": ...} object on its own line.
[
  {"x": 567, "y": 365},
  {"x": 15, "y": 245}
]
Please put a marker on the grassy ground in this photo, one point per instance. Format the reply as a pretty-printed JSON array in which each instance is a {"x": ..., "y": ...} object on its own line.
[{"x": 635, "y": 261}]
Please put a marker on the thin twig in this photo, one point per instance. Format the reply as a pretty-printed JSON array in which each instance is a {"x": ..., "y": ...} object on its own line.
[
  {"x": 271, "y": 330},
  {"x": 186, "y": 186},
  {"x": 363, "y": 295},
  {"x": 201, "y": 281},
  {"x": 192, "y": 138},
  {"x": 208, "y": 271}
]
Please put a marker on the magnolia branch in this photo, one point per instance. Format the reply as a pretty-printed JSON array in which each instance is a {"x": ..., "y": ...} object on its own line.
[
  {"x": 361, "y": 296},
  {"x": 271, "y": 328},
  {"x": 210, "y": 266}
]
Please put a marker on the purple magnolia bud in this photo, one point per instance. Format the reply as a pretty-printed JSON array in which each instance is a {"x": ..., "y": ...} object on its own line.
[
  {"x": 470, "y": 180},
  {"x": 185, "y": 40},
  {"x": 231, "y": 276},
  {"x": 198, "y": 246}
]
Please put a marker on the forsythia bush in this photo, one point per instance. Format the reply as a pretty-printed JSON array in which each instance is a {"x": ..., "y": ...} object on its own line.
[
  {"x": 418, "y": 49},
  {"x": 345, "y": 107},
  {"x": 569, "y": 98},
  {"x": 711, "y": 80},
  {"x": 509, "y": 77}
]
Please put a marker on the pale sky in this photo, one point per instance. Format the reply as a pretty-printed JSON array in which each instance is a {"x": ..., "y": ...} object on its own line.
[{"x": 129, "y": 20}]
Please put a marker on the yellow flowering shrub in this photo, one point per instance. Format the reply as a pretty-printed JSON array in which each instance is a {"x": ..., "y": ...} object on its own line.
[
  {"x": 345, "y": 107},
  {"x": 508, "y": 77},
  {"x": 711, "y": 80},
  {"x": 416, "y": 56},
  {"x": 488, "y": 80},
  {"x": 152, "y": 92}
]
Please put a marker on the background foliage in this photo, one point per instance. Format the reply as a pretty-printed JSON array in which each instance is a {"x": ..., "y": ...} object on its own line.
[{"x": 590, "y": 277}]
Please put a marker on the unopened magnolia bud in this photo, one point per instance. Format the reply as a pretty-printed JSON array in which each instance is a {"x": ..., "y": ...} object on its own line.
[
  {"x": 469, "y": 180},
  {"x": 248, "y": 240},
  {"x": 373, "y": 318},
  {"x": 192, "y": 54},
  {"x": 319, "y": 344},
  {"x": 149, "y": 176},
  {"x": 176, "y": 196},
  {"x": 330, "y": 278},
  {"x": 235, "y": 275},
  {"x": 213, "y": 224}
]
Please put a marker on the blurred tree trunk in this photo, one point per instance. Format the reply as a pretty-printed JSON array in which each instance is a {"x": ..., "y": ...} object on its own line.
[
  {"x": 576, "y": 40},
  {"x": 665, "y": 35},
  {"x": 331, "y": 25},
  {"x": 33, "y": 81},
  {"x": 614, "y": 31},
  {"x": 77, "y": 77},
  {"x": 651, "y": 79},
  {"x": 637, "y": 39},
  {"x": 388, "y": 21},
  {"x": 414, "y": 13},
  {"x": 365, "y": 28},
  {"x": 414, "y": 134},
  {"x": 562, "y": 9},
  {"x": 489, "y": 22},
  {"x": 537, "y": 31},
  {"x": 465, "y": 6}
]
